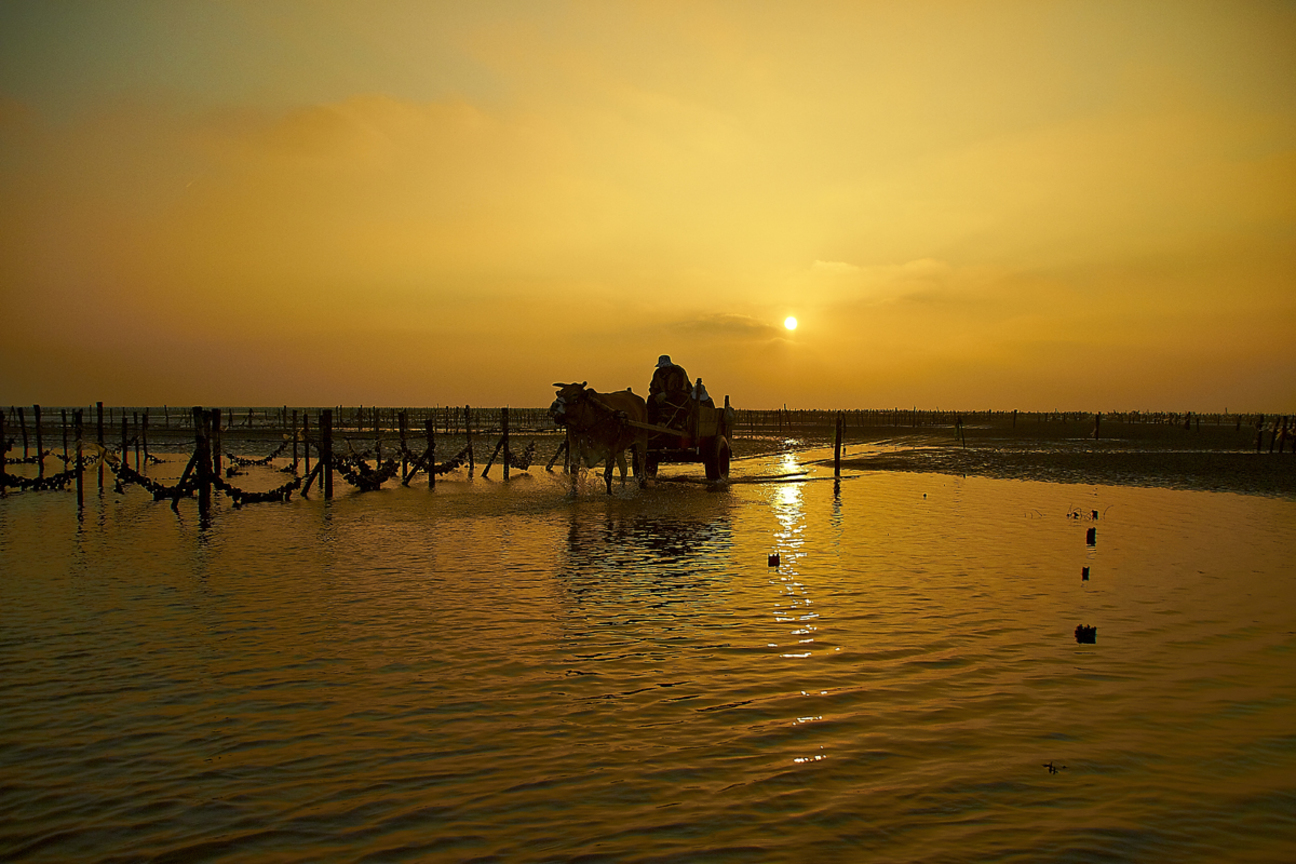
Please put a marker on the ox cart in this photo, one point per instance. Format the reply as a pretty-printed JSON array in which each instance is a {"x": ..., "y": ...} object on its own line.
[
  {"x": 695, "y": 431},
  {"x": 602, "y": 426}
]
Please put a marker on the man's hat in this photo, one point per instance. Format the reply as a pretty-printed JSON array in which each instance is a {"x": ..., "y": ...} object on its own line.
[{"x": 664, "y": 360}]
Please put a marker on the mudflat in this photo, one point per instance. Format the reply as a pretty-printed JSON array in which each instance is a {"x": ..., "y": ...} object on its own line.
[{"x": 1222, "y": 458}]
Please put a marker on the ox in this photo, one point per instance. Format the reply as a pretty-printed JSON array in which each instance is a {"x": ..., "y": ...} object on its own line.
[{"x": 597, "y": 430}]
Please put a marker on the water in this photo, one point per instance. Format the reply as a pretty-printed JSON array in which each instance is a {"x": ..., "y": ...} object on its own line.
[{"x": 505, "y": 672}]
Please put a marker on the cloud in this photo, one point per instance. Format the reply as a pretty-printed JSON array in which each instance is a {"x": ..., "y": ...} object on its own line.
[{"x": 737, "y": 327}]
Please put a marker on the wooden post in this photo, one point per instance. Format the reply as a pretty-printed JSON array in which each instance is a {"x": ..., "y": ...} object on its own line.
[
  {"x": 125, "y": 435},
  {"x": 504, "y": 422},
  {"x": 80, "y": 466},
  {"x": 377, "y": 439},
  {"x": 63, "y": 411},
  {"x": 202, "y": 458},
  {"x": 402, "y": 422},
  {"x": 468, "y": 434},
  {"x": 99, "y": 439},
  {"x": 22, "y": 425},
  {"x": 40, "y": 443},
  {"x": 561, "y": 451},
  {"x": 498, "y": 445},
  {"x": 4, "y": 450},
  {"x": 292, "y": 432},
  {"x": 572, "y": 465},
  {"x": 211, "y": 461},
  {"x": 836, "y": 450},
  {"x": 215, "y": 438},
  {"x": 138, "y": 435},
  {"x": 144, "y": 435},
  {"x": 326, "y": 451},
  {"x": 431, "y": 452},
  {"x": 305, "y": 439}
]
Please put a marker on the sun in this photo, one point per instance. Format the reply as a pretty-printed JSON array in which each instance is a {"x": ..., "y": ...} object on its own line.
[{"x": 789, "y": 323}]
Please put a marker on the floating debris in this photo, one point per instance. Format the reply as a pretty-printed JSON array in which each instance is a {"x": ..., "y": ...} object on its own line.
[
  {"x": 1086, "y": 635},
  {"x": 1053, "y": 769},
  {"x": 774, "y": 560}
]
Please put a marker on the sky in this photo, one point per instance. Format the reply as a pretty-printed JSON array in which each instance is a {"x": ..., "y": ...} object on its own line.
[{"x": 966, "y": 206}]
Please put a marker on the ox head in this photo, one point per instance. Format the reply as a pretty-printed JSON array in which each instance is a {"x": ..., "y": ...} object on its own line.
[{"x": 568, "y": 395}]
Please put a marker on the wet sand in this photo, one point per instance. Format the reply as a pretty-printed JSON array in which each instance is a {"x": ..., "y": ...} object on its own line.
[{"x": 1246, "y": 473}]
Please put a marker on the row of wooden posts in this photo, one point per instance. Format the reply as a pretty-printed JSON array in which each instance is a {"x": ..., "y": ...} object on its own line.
[
  {"x": 450, "y": 419},
  {"x": 78, "y": 434},
  {"x": 208, "y": 426},
  {"x": 800, "y": 418},
  {"x": 455, "y": 419},
  {"x": 754, "y": 419},
  {"x": 206, "y": 462}
]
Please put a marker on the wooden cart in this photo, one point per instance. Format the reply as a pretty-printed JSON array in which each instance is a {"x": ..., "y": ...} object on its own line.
[{"x": 699, "y": 432}]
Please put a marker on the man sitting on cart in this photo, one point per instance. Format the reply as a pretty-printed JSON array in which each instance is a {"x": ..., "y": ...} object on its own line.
[{"x": 668, "y": 394}]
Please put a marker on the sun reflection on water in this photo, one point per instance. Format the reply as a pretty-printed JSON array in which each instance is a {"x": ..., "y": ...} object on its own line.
[{"x": 792, "y": 605}]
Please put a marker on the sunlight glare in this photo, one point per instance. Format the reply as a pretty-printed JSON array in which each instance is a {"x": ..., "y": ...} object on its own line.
[{"x": 790, "y": 323}]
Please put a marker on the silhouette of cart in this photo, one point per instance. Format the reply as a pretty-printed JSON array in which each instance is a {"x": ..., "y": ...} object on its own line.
[{"x": 694, "y": 431}]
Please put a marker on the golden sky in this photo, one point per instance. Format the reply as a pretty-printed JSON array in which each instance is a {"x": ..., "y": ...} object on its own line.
[{"x": 1032, "y": 205}]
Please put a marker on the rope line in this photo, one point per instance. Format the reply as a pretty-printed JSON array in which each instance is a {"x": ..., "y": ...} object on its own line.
[
  {"x": 243, "y": 462},
  {"x": 127, "y": 475},
  {"x": 357, "y": 472},
  {"x": 39, "y": 484},
  {"x": 241, "y": 497}
]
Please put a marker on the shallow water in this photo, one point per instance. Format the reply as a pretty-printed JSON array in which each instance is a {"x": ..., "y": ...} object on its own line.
[{"x": 497, "y": 671}]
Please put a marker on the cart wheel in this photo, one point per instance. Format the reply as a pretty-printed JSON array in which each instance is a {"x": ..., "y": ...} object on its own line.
[{"x": 717, "y": 459}]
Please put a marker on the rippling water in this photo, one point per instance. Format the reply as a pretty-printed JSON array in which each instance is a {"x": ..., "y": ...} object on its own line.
[{"x": 503, "y": 672}]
